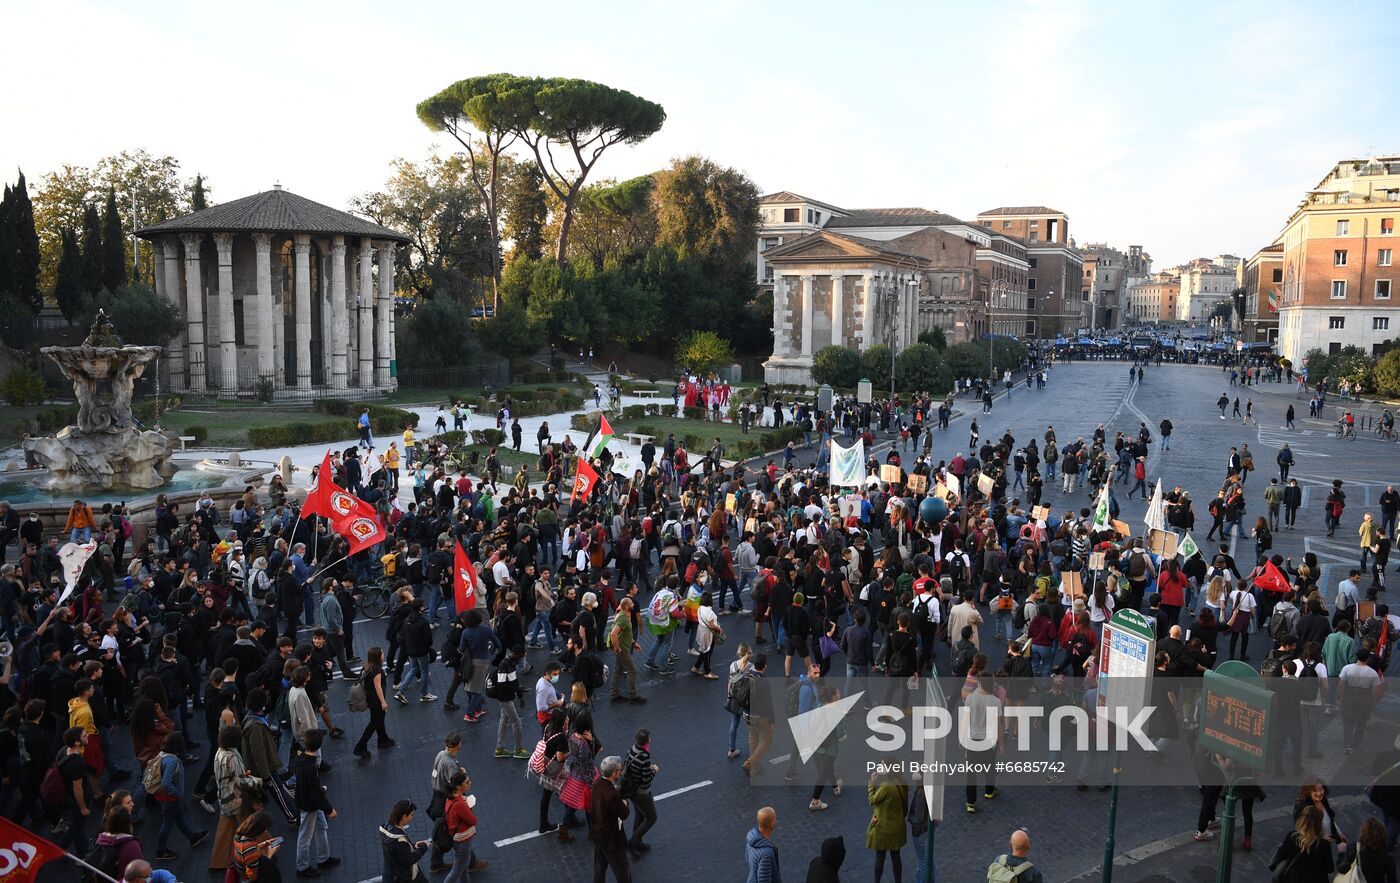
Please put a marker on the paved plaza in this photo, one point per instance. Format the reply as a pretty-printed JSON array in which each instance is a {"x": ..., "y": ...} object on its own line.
[{"x": 706, "y": 803}]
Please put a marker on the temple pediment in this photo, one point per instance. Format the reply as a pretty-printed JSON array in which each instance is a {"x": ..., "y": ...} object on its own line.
[{"x": 827, "y": 245}]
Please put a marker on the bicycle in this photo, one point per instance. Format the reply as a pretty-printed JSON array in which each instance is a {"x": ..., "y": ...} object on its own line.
[
  {"x": 1346, "y": 430},
  {"x": 373, "y": 599}
]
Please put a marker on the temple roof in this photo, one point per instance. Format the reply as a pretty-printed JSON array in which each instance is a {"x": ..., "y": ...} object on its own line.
[{"x": 272, "y": 211}]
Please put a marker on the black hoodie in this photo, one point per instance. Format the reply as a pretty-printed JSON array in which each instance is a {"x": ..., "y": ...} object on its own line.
[{"x": 826, "y": 867}]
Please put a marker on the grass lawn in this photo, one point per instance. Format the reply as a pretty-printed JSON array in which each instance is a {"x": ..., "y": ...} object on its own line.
[
  {"x": 228, "y": 427},
  {"x": 508, "y": 457},
  {"x": 728, "y": 432}
]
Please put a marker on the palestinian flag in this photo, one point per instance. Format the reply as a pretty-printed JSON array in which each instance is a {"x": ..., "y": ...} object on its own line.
[{"x": 598, "y": 441}]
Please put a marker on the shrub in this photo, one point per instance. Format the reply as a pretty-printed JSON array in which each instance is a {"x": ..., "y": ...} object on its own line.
[
  {"x": 1387, "y": 374},
  {"x": 935, "y": 338},
  {"x": 920, "y": 368},
  {"x": 702, "y": 352},
  {"x": 836, "y": 366},
  {"x": 634, "y": 412},
  {"x": 696, "y": 413},
  {"x": 693, "y": 442},
  {"x": 453, "y": 439},
  {"x": 583, "y": 422},
  {"x": 644, "y": 429},
  {"x": 200, "y": 433},
  {"x": 490, "y": 437},
  {"x": 382, "y": 418},
  {"x": 875, "y": 366},
  {"x": 22, "y": 386}
]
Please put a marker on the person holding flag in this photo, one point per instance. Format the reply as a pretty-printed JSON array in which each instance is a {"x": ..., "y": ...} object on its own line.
[{"x": 1273, "y": 585}]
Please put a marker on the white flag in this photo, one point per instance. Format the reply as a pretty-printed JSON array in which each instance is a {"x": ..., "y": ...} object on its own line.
[
  {"x": 1156, "y": 517},
  {"x": 74, "y": 557},
  {"x": 1187, "y": 547},
  {"x": 847, "y": 464},
  {"x": 1101, "y": 517}
]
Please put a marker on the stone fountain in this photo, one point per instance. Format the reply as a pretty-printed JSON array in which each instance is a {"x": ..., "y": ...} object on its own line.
[{"x": 105, "y": 448}]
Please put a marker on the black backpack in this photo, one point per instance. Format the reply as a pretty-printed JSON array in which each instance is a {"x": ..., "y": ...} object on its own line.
[
  {"x": 962, "y": 662},
  {"x": 105, "y": 858},
  {"x": 1307, "y": 682}
]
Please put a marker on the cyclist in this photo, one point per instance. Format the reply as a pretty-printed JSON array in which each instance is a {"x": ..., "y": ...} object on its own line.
[
  {"x": 1347, "y": 425},
  {"x": 1387, "y": 424}
]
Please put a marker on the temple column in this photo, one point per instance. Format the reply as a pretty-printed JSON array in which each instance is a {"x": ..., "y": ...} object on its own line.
[
  {"x": 194, "y": 311},
  {"x": 228, "y": 341},
  {"x": 302, "y": 248},
  {"x": 838, "y": 306},
  {"x": 915, "y": 282},
  {"x": 168, "y": 252},
  {"x": 807, "y": 313},
  {"x": 384, "y": 315},
  {"x": 364, "y": 306},
  {"x": 782, "y": 338},
  {"x": 262, "y": 246},
  {"x": 867, "y": 311},
  {"x": 340, "y": 331}
]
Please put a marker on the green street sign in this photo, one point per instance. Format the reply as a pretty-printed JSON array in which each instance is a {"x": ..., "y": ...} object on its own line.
[
  {"x": 1134, "y": 621},
  {"x": 1235, "y": 714}
]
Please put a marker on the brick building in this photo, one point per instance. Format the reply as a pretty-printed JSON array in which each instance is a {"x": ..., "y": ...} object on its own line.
[
  {"x": 1261, "y": 277},
  {"x": 1054, "y": 278}
]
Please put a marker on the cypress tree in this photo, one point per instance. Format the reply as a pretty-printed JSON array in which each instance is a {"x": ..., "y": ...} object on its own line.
[
  {"x": 7, "y": 242},
  {"x": 68, "y": 286},
  {"x": 197, "y": 202},
  {"x": 113, "y": 245},
  {"x": 90, "y": 277},
  {"x": 25, "y": 270}
]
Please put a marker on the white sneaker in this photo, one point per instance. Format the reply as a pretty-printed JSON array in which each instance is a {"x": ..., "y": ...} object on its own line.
[
  {"x": 816, "y": 806},
  {"x": 693, "y": 652}
]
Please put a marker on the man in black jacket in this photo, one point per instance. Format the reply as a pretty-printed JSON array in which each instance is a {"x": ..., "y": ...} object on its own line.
[
  {"x": 313, "y": 845},
  {"x": 607, "y": 816},
  {"x": 289, "y": 602},
  {"x": 417, "y": 637}
]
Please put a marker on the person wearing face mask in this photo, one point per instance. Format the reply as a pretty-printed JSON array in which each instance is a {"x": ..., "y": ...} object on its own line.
[
  {"x": 31, "y": 531},
  {"x": 547, "y": 696}
]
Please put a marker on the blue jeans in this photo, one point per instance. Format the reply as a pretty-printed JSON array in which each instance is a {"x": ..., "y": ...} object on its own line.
[
  {"x": 170, "y": 818},
  {"x": 461, "y": 860},
  {"x": 734, "y": 731},
  {"x": 80, "y": 535},
  {"x": 660, "y": 651},
  {"x": 920, "y": 843},
  {"x": 432, "y": 600},
  {"x": 853, "y": 672},
  {"x": 541, "y": 623},
  {"x": 417, "y": 670},
  {"x": 1042, "y": 659},
  {"x": 1166, "y": 443},
  {"x": 313, "y": 846},
  {"x": 1003, "y": 620}
]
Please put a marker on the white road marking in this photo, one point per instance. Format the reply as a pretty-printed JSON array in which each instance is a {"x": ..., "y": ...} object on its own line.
[{"x": 521, "y": 838}]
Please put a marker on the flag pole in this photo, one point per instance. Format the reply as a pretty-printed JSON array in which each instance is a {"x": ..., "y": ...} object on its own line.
[{"x": 95, "y": 871}]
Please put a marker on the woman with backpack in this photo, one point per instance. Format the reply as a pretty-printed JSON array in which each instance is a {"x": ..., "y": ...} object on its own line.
[
  {"x": 255, "y": 852},
  {"x": 1305, "y": 855},
  {"x": 164, "y": 778}
]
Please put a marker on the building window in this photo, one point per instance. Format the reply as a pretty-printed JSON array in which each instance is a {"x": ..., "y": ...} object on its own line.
[
  {"x": 1333, "y": 348},
  {"x": 1382, "y": 289},
  {"x": 810, "y": 220},
  {"x": 1030, "y": 285},
  {"x": 1006, "y": 225},
  {"x": 1383, "y": 257},
  {"x": 1034, "y": 237},
  {"x": 1032, "y": 262},
  {"x": 792, "y": 215},
  {"x": 819, "y": 217},
  {"x": 1339, "y": 257},
  {"x": 1387, "y": 226},
  {"x": 1380, "y": 323},
  {"x": 1339, "y": 289},
  {"x": 1344, "y": 228},
  {"x": 1278, "y": 275},
  {"x": 1030, "y": 303},
  {"x": 1030, "y": 327},
  {"x": 1336, "y": 323}
]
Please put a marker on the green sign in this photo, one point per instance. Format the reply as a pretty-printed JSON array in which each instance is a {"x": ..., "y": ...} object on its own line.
[{"x": 1235, "y": 709}]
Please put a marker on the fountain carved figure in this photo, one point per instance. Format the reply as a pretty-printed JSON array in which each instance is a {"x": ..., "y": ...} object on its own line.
[{"x": 105, "y": 448}]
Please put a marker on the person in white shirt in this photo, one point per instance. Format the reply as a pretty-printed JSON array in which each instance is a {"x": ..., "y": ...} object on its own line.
[
  {"x": 1360, "y": 687},
  {"x": 1239, "y": 609},
  {"x": 1312, "y": 675},
  {"x": 1347, "y": 596},
  {"x": 500, "y": 572}
]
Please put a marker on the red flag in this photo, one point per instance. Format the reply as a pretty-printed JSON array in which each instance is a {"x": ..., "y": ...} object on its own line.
[
  {"x": 318, "y": 498},
  {"x": 585, "y": 479},
  {"x": 1271, "y": 579},
  {"x": 353, "y": 519},
  {"x": 465, "y": 583},
  {"x": 23, "y": 853}
]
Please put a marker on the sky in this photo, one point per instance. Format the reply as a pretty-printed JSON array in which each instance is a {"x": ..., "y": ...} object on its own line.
[{"x": 1191, "y": 128}]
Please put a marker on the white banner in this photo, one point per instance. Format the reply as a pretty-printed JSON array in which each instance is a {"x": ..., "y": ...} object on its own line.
[
  {"x": 74, "y": 557},
  {"x": 847, "y": 464}
]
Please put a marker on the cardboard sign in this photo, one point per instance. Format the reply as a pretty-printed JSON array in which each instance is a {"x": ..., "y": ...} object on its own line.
[
  {"x": 1162, "y": 542},
  {"x": 918, "y": 483},
  {"x": 1122, "y": 529},
  {"x": 1040, "y": 513},
  {"x": 942, "y": 492},
  {"x": 1096, "y": 561},
  {"x": 1365, "y": 610},
  {"x": 890, "y": 474},
  {"x": 954, "y": 484},
  {"x": 1071, "y": 584},
  {"x": 731, "y": 503},
  {"x": 985, "y": 483}
]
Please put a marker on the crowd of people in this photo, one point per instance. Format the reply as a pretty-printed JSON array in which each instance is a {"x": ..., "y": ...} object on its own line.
[{"x": 246, "y": 620}]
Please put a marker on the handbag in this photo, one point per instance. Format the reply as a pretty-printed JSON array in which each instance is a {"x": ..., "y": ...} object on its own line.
[
  {"x": 576, "y": 794},
  {"x": 357, "y": 700}
]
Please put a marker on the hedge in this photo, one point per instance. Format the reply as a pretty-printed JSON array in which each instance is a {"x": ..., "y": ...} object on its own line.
[
  {"x": 200, "y": 433},
  {"x": 66, "y": 415},
  {"x": 536, "y": 408},
  {"x": 382, "y": 418},
  {"x": 490, "y": 437}
]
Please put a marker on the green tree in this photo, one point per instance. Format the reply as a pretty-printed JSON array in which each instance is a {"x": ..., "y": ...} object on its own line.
[
  {"x": 527, "y": 212},
  {"x": 613, "y": 222},
  {"x": 16, "y": 321},
  {"x": 138, "y": 314},
  {"x": 69, "y": 285},
  {"x": 921, "y": 368},
  {"x": 568, "y": 124},
  {"x": 702, "y": 352},
  {"x": 1222, "y": 311},
  {"x": 1388, "y": 374},
  {"x": 7, "y": 242},
  {"x": 92, "y": 250},
  {"x": 967, "y": 359},
  {"x": 24, "y": 247},
  {"x": 836, "y": 366},
  {"x": 1318, "y": 364},
  {"x": 437, "y": 207},
  {"x": 935, "y": 338},
  {"x": 510, "y": 332},
  {"x": 1354, "y": 364},
  {"x": 198, "y": 202},
  {"x": 22, "y": 386},
  {"x": 436, "y": 335},
  {"x": 708, "y": 211},
  {"x": 875, "y": 366},
  {"x": 113, "y": 245},
  {"x": 482, "y": 115}
]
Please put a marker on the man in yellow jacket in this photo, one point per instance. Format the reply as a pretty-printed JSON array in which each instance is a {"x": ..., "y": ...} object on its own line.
[{"x": 80, "y": 716}]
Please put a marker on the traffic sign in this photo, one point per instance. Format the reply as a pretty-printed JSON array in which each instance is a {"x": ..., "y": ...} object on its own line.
[
  {"x": 1235, "y": 712},
  {"x": 1127, "y": 656}
]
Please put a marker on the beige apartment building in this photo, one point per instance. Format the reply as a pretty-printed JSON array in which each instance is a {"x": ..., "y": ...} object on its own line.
[{"x": 1154, "y": 300}]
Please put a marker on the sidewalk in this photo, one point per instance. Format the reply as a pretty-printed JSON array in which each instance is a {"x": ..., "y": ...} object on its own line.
[{"x": 1182, "y": 859}]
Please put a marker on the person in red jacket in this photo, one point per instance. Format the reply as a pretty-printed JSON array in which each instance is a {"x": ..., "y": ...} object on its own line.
[
  {"x": 1043, "y": 635},
  {"x": 460, "y": 818},
  {"x": 1171, "y": 585}
]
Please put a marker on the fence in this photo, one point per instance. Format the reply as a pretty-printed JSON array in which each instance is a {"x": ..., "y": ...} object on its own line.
[{"x": 248, "y": 386}]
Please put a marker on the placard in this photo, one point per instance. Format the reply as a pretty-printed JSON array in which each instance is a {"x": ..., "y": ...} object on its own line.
[
  {"x": 1096, "y": 561},
  {"x": 1040, "y": 513},
  {"x": 918, "y": 483},
  {"x": 1121, "y": 528},
  {"x": 1364, "y": 610},
  {"x": 1162, "y": 542},
  {"x": 1071, "y": 584},
  {"x": 890, "y": 473},
  {"x": 985, "y": 483},
  {"x": 954, "y": 484},
  {"x": 731, "y": 503}
]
